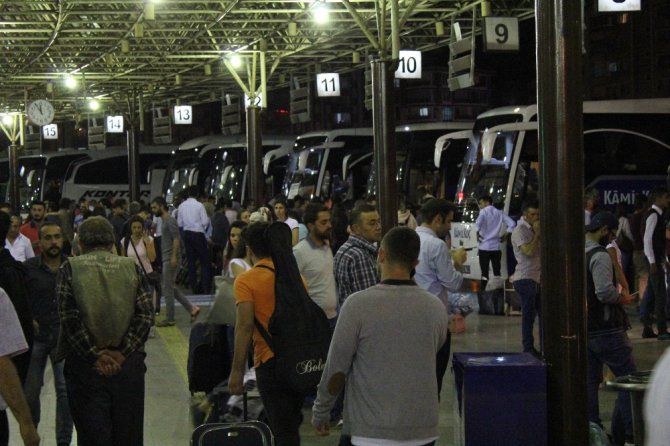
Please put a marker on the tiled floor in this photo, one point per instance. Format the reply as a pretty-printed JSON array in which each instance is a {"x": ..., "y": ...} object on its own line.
[{"x": 167, "y": 421}]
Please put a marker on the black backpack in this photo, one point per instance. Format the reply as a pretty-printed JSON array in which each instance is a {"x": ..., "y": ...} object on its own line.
[{"x": 299, "y": 332}]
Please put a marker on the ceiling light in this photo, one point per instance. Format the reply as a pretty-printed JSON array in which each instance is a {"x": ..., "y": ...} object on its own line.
[
  {"x": 236, "y": 61},
  {"x": 93, "y": 104},
  {"x": 7, "y": 119},
  {"x": 320, "y": 13},
  {"x": 70, "y": 82}
]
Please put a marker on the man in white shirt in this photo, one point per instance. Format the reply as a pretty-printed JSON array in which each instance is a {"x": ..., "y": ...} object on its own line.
[
  {"x": 193, "y": 220},
  {"x": 18, "y": 245},
  {"x": 489, "y": 226},
  {"x": 315, "y": 260}
]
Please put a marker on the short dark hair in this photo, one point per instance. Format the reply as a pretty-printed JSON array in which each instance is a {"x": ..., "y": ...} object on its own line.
[
  {"x": 401, "y": 246},
  {"x": 656, "y": 192},
  {"x": 311, "y": 213},
  {"x": 38, "y": 203},
  {"x": 434, "y": 207},
  {"x": 254, "y": 236},
  {"x": 281, "y": 200},
  {"x": 5, "y": 223},
  {"x": 193, "y": 191},
  {"x": 160, "y": 201},
  {"x": 48, "y": 224},
  {"x": 135, "y": 219},
  {"x": 529, "y": 203},
  {"x": 486, "y": 198},
  {"x": 356, "y": 212},
  {"x": 96, "y": 232},
  {"x": 118, "y": 203}
]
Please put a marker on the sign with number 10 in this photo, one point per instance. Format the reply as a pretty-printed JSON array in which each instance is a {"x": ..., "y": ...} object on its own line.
[{"x": 409, "y": 65}]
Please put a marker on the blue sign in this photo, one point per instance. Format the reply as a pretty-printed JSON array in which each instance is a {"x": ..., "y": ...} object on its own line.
[{"x": 614, "y": 190}]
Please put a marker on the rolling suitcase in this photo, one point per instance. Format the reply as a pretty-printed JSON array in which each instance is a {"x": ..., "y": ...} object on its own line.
[
  {"x": 244, "y": 433},
  {"x": 247, "y": 433}
]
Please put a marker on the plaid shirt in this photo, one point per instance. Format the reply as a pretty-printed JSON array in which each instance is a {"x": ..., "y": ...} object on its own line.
[
  {"x": 355, "y": 267},
  {"x": 76, "y": 335}
]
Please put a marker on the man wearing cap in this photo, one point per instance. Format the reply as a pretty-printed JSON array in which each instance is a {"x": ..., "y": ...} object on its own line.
[{"x": 607, "y": 323}]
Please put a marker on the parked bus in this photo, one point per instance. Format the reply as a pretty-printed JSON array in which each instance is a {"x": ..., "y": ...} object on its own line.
[
  {"x": 315, "y": 168},
  {"x": 217, "y": 165},
  {"x": 106, "y": 174},
  {"x": 414, "y": 144},
  {"x": 41, "y": 176},
  {"x": 626, "y": 151}
]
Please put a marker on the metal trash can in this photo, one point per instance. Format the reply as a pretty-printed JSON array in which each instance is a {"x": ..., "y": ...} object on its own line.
[
  {"x": 502, "y": 398},
  {"x": 635, "y": 383}
]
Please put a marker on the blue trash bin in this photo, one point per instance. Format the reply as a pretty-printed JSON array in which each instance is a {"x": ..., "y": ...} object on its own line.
[{"x": 502, "y": 398}]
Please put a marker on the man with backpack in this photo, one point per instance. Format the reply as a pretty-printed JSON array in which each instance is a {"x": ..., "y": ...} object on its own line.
[
  {"x": 387, "y": 337},
  {"x": 607, "y": 323},
  {"x": 290, "y": 332}
]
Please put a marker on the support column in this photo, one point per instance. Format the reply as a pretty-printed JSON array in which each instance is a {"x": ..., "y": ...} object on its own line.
[
  {"x": 383, "y": 123},
  {"x": 14, "y": 198},
  {"x": 255, "y": 155},
  {"x": 559, "y": 96},
  {"x": 133, "y": 165}
]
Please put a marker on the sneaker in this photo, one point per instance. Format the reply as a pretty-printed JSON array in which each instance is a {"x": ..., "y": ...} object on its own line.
[
  {"x": 664, "y": 336},
  {"x": 648, "y": 332},
  {"x": 152, "y": 332},
  {"x": 165, "y": 323}
]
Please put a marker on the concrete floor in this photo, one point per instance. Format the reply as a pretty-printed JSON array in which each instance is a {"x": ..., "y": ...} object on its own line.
[{"x": 167, "y": 420}]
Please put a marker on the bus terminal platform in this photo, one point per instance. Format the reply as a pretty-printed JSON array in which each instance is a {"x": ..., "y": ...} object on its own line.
[{"x": 167, "y": 412}]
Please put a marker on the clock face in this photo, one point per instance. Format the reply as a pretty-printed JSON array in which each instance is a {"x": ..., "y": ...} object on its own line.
[{"x": 40, "y": 112}]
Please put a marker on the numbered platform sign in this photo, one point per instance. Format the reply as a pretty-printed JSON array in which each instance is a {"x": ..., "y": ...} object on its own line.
[
  {"x": 50, "y": 131},
  {"x": 501, "y": 34},
  {"x": 409, "y": 65},
  {"x": 183, "y": 114},
  {"x": 327, "y": 84},
  {"x": 257, "y": 101},
  {"x": 619, "y": 5},
  {"x": 114, "y": 124}
]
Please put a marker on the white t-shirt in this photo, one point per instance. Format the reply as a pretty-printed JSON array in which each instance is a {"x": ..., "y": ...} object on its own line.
[
  {"x": 239, "y": 262},
  {"x": 12, "y": 341},
  {"x": 292, "y": 223},
  {"x": 364, "y": 441},
  {"x": 21, "y": 249}
]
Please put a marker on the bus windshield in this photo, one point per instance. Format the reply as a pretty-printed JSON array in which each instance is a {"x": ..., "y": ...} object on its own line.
[
  {"x": 307, "y": 166},
  {"x": 480, "y": 176},
  {"x": 31, "y": 173}
]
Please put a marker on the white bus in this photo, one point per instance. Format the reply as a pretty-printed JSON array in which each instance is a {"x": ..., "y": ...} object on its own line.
[
  {"x": 626, "y": 151},
  {"x": 315, "y": 168},
  {"x": 41, "y": 176},
  {"x": 217, "y": 164},
  {"x": 414, "y": 145},
  {"x": 106, "y": 174}
]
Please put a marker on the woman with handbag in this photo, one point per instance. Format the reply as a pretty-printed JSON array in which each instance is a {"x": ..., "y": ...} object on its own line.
[{"x": 140, "y": 246}]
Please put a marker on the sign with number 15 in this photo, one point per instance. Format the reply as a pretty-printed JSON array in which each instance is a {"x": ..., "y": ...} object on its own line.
[{"x": 50, "y": 131}]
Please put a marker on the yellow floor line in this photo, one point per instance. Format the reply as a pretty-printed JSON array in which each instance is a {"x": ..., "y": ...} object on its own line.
[{"x": 176, "y": 345}]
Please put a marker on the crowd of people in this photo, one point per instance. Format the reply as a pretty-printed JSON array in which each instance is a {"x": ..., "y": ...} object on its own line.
[{"x": 63, "y": 271}]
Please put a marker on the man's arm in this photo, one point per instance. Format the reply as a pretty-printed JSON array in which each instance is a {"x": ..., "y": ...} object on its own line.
[
  {"x": 340, "y": 358},
  {"x": 649, "y": 227},
  {"x": 141, "y": 322},
  {"x": 528, "y": 248},
  {"x": 511, "y": 224},
  {"x": 244, "y": 328},
  {"x": 12, "y": 393},
  {"x": 363, "y": 273},
  {"x": 72, "y": 327},
  {"x": 603, "y": 279},
  {"x": 448, "y": 276}
]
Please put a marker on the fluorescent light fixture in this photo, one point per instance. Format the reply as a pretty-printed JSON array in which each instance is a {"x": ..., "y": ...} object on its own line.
[
  {"x": 7, "y": 119},
  {"x": 70, "y": 82},
  {"x": 236, "y": 61},
  {"x": 93, "y": 104},
  {"x": 320, "y": 13}
]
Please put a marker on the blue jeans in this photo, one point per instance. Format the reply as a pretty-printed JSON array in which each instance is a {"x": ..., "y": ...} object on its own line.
[
  {"x": 44, "y": 347},
  {"x": 614, "y": 350},
  {"x": 529, "y": 291}
]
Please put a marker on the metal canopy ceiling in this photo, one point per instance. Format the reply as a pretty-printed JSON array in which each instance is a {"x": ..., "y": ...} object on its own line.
[{"x": 116, "y": 49}]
